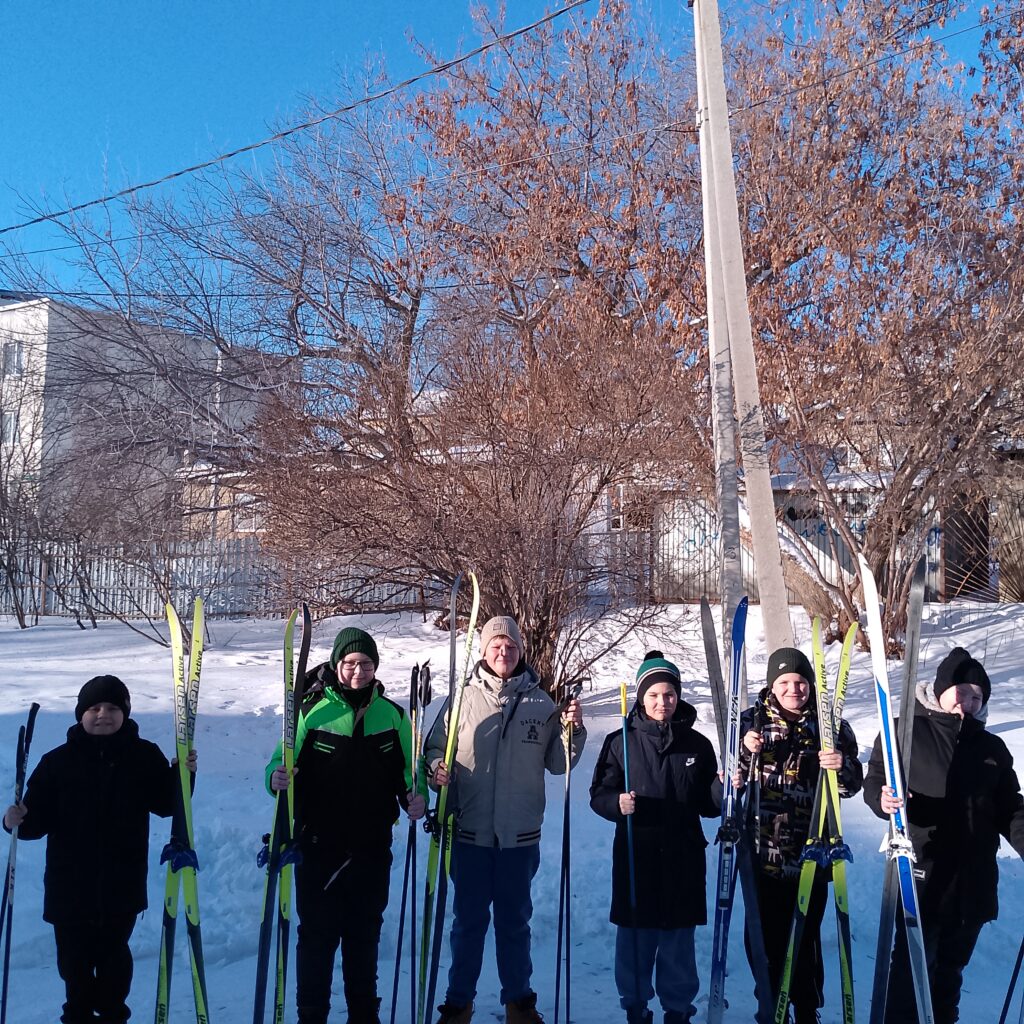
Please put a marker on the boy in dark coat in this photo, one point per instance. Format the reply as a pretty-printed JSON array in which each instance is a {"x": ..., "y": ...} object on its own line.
[
  {"x": 673, "y": 783},
  {"x": 92, "y": 798},
  {"x": 781, "y": 730},
  {"x": 962, "y": 795}
]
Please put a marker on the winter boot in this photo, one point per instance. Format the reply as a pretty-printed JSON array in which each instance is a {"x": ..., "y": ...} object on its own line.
[
  {"x": 641, "y": 1015},
  {"x": 365, "y": 1012},
  {"x": 455, "y": 1014},
  {"x": 524, "y": 1011},
  {"x": 805, "y": 1016},
  {"x": 679, "y": 1016}
]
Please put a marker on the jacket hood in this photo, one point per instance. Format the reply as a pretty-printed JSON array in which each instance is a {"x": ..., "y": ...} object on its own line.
[
  {"x": 925, "y": 695},
  {"x": 324, "y": 680},
  {"x": 128, "y": 731},
  {"x": 766, "y": 703},
  {"x": 522, "y": 682},
  {"x": 685, "y": 713}
]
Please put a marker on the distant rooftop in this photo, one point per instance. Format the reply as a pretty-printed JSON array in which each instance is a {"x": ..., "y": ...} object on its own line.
[{"x": 8, "y": 297}]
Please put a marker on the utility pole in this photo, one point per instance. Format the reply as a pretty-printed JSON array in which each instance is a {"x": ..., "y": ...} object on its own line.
[
  {"x": 723, "y": 403},
  {"x": 727, "y": 300}
]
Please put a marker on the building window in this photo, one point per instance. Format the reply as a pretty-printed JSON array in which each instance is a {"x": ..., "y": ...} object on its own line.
[
  {"x": 245, "y": 514},
  {"x": 9, "y": 428},
  {"x": 13, "y": 359}
]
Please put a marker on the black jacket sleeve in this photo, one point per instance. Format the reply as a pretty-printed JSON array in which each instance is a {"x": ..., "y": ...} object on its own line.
[
  {"x": 40, "y": 799},
  {"x": 851, "y": 775},
  {"x": 875, "y": 780},
  {"x": 162, "y": 781},
  {"x": 712, "y": 807},
  {"x": 748, "y": 723},
  {"x": 1010, "y": 807},
  {"x": 609, "y": 779}
]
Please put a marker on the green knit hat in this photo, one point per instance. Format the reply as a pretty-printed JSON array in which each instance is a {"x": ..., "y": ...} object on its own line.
[
  {"x": 354, "y": 641},
  {"x": 656, "y": 668}
]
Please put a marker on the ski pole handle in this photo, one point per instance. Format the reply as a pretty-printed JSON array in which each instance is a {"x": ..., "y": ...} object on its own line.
[{"x": 625, "y": 749}]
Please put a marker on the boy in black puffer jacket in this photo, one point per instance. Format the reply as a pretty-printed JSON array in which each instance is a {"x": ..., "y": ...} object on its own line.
[
  {"x": 673, "y": 778},
  {"x": 962, "y": 795},
  {"x": 92, "y": 798}
]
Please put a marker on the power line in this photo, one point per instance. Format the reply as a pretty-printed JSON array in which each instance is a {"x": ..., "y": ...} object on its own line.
[
  {"x": 278, "y": 136},
  {"x": 673, "y": 126}
]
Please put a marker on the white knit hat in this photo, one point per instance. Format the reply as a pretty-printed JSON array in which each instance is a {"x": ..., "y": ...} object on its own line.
[{"x": 501, "y": 625}]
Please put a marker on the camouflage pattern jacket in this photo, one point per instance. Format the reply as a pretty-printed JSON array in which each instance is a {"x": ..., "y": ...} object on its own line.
[{"x": 788, "y": 775}]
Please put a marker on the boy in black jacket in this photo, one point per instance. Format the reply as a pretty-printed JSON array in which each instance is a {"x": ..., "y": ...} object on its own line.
[
  {"x": 92, "y": 797},
  {"x": 962, "y": 795},
  {"x": 673, "y": 778}
]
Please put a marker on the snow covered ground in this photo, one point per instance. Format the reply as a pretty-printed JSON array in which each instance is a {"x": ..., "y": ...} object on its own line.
[{"x": 238, "y": 725}]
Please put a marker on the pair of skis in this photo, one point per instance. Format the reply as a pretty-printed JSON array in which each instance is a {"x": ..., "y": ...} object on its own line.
[
  {"x": 735, "y": 842},
  {"x": 420, "y": 696},
  {"x": 7, "y": 902},
  {"x": 179, "y": 854},
  {"x": 898, "y": 846},
  {"x": 439, "y": 822},
  {"x": 825, "y": 844},
  {"x": 279, "y": 853}
]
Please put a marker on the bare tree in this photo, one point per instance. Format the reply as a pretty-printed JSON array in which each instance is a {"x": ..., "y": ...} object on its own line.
[
  {"x": 882, "y": 209},
  {"x": 481, "y": 308}
]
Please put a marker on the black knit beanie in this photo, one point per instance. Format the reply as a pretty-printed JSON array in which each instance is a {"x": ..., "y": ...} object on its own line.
[
  {"x": 354, "y": 641},
  {"x": 103, "y": 690},
  {"x": 958, "y": 668},
  {"x": 789, "y": 659}
]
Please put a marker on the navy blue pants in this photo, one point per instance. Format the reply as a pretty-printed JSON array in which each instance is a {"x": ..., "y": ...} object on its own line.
[
  {"x": 665, "y": 955},
  {"x": 486, "y": 876}
]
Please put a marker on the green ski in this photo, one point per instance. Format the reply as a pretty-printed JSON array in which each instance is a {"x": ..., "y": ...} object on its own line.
[
  {"x": 179, "y": 853},
  {"x": 278, "y": 851}
]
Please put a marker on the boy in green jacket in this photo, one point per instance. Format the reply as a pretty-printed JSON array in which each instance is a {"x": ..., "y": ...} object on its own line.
[{"x": 353, "y": 774}]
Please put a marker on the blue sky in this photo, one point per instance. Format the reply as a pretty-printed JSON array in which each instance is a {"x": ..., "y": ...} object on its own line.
[{"x": 96, "y": 96}]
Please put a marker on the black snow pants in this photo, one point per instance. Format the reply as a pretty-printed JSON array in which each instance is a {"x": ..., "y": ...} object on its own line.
[
  {"x": 949, "y": 941},
  {"x": 95, "y": 963},
  {"x": 776, "y": 900},
  {"x": 341, "y": 898}
]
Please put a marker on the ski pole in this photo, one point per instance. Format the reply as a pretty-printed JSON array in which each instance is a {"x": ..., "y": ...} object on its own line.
[
  {"x": 1013, "y": 987},
  {"x": 564, "y": 926},
  {"x": 20, "y": 770},
  {"x": 424, "y": 695},
  {"x": 568, "y": 876},
  {"x": 409, "y": 846},
  {"x": 629, "y": 849}
]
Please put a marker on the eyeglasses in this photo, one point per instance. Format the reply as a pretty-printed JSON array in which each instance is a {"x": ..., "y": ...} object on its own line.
[{"x": 350, "y": 668}]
